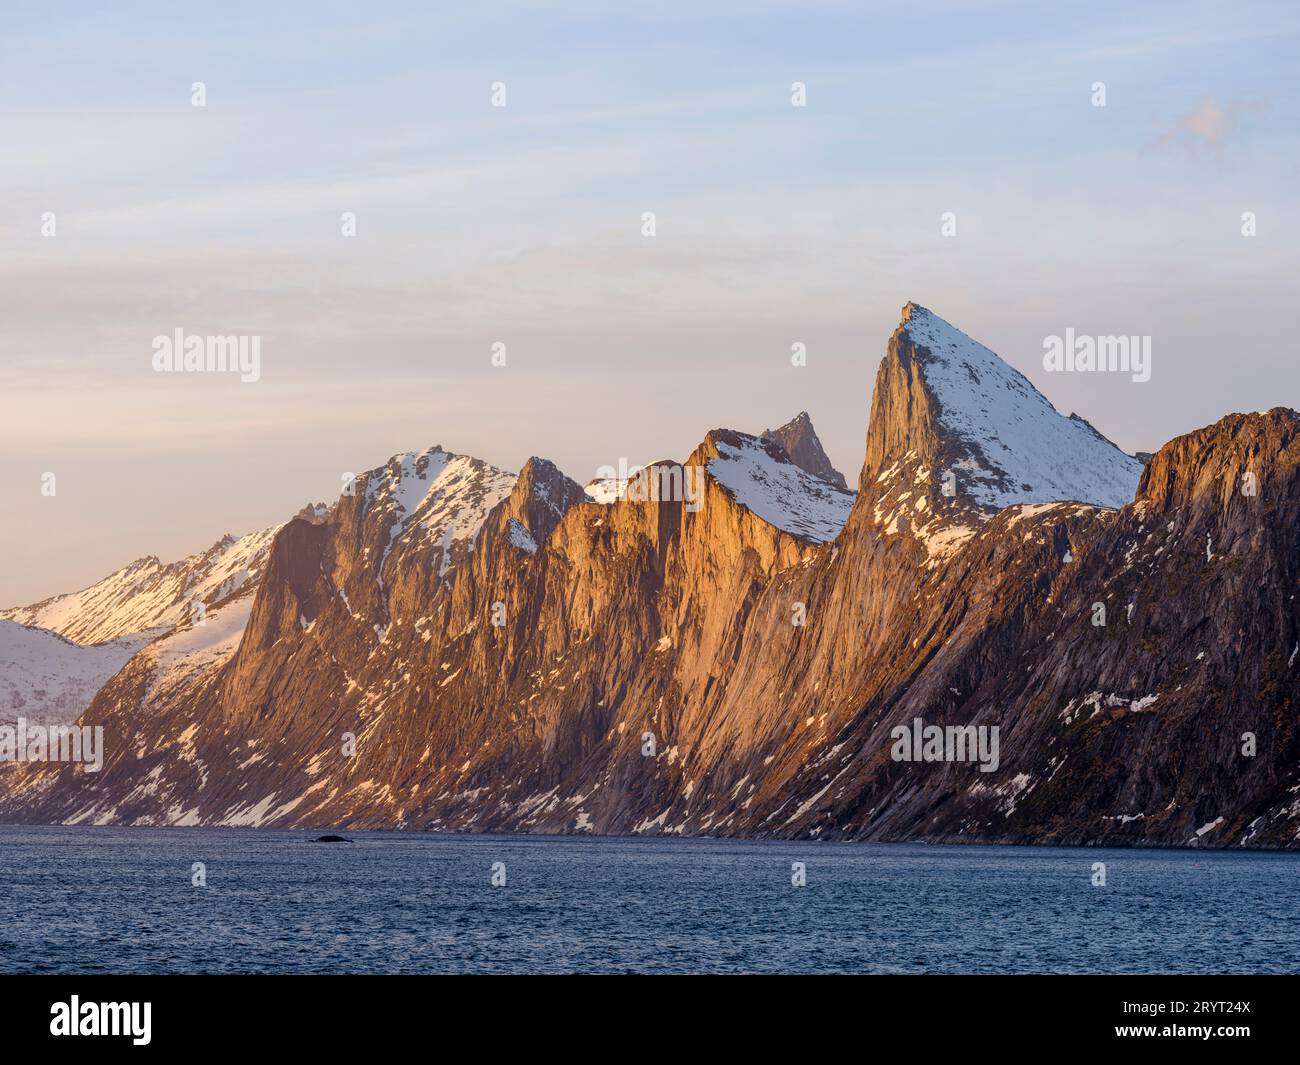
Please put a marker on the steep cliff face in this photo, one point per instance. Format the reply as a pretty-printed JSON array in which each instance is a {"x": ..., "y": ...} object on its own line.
[
  {"x": 946, "y": 411},
  {"x": 561, "y": 632},
  {"x": 730, "y": 645}
]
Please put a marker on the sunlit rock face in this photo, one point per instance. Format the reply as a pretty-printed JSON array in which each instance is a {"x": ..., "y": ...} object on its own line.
[{"x": 737, "y": 651}]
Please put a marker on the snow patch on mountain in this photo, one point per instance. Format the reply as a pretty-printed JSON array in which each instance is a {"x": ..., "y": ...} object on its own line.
[
  {"x": 1020, "y": 449},
  {"x": 49, "y": 680},
  {"x": 520, "y": 536},
  {"x": 182, "y": 654},
  {"x": 780, "y": 493},
  {"x": 606, "y": 490}
]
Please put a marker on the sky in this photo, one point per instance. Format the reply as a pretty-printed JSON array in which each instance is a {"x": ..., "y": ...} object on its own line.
[{"x": 522, "y": 225}]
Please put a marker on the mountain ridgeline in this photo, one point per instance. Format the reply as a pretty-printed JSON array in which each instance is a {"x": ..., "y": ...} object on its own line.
[{"x": 453, "y": 647}]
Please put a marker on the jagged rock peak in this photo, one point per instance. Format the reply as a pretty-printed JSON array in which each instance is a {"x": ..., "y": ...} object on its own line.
[
  {"x": 944, "y": 404},
  {"x": 314, "y": 513},
  {"x": 800, "y": 441},
  {"x": 544, "y": 477},
  {"x": 1239, "y": 456},
  {"x": 541, "y": 496}
]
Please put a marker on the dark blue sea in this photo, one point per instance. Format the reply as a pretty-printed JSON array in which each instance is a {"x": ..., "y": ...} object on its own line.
[{"x": 121, "y": 900}]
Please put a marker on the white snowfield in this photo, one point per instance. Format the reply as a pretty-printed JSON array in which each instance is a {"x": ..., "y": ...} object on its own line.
[
  {"x": 1022, "y": 450},
  {"x": 781, "y": 493},
  {"x": 50, "y": 680},
  {"x": 181, "y": 654},
  {"x": 436, "y": 497},
  {"x": 607, "y": 490},
  {"x": 148, "y": 596},
  {"x": 520, "y": 536}
]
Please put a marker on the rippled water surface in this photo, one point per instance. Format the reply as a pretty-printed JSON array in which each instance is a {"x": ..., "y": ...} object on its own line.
[{"x": 116, "y": 900}]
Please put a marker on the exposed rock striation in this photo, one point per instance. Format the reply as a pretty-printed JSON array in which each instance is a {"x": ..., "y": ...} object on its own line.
[{"x": 453, "y": 647}]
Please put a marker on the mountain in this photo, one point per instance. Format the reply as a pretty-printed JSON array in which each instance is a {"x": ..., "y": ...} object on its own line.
[
  {"x": 800, "y": 442},
  {"x": 764, "y": 481},
  {"x": 944, "y": 402},
  {"x": 736, "y": 650},
  {"x": 56, "y": 654},
  {"x": 956, "y": 435},
  {"x": 148, "y": 595},
  {"x": 48, "y": 680}
]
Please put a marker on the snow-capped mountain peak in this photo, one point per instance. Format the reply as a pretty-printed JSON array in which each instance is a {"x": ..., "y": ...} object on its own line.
[
  {"x": 148, "y": 595},
  {"x": 958, "y": 407},
  {"x": 434, "y": 496},
  {"x": 760, "y": 476}
]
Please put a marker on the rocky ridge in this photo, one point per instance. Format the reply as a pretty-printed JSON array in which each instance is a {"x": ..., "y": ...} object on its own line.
[{"x": 456, "y": 648}]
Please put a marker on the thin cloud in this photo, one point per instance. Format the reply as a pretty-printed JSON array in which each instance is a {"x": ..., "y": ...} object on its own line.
[{"x": 1208, "y": 126}]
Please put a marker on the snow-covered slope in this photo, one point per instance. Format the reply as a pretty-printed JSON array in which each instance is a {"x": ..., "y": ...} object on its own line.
[
  {"x": 191, "y": 649},
  {"x": 427, "y": 500},
  {"x": 605, "y": 490},
  {"x": 759, "y": 476},
  {"x": 608, "y": 490},
  {"x": 50, "y": 680},
  {"x": 434, "y": 498},
  {"x": 1019, "y": 448},
  {"x": 148, "y": 596},
  {"x": 779, "y": 492}
]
